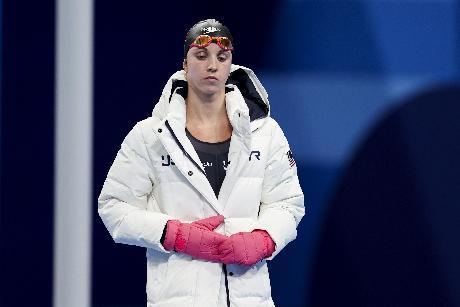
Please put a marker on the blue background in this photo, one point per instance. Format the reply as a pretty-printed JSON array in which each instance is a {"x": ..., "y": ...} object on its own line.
[{"x": 345, "y": 79}]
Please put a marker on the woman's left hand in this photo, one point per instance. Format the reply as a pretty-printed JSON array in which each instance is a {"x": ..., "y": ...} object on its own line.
[{"x": 246, "y": 248}]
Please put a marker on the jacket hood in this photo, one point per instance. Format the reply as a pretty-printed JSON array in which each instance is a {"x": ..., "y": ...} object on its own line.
[{"x": 252, "y": 92}]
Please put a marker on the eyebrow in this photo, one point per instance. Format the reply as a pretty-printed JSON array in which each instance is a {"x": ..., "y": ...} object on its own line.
[
  {"x": 200, "y": 49},
  {"x": 226, "y": 52}
]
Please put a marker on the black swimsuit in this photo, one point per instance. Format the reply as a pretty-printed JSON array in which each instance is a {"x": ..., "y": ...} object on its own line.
[{"x": 214, "y": 157}]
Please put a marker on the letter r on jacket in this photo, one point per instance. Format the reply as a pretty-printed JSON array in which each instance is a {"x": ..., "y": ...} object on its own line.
[{"x": 256, "y": 154}]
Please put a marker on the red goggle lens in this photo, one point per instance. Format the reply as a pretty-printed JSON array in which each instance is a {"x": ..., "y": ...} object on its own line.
[{"x": 205, "y": 40}]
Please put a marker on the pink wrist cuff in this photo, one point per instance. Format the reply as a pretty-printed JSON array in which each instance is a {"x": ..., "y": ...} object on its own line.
[
  {"x": 172, "y": 227},
  {"x": 269, "y": 243}
]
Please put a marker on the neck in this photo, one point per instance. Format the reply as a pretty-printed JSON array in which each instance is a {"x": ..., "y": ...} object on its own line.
[
  {"x": 206, "y": 109},
  {"x": 206, "y": 117}
]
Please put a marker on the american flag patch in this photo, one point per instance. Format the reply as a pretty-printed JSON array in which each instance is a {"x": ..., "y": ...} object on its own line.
[{"x": 290, "y": 158}]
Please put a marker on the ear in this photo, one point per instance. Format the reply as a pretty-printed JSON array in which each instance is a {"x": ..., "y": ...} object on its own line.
[{"x": 184, "y": 65}]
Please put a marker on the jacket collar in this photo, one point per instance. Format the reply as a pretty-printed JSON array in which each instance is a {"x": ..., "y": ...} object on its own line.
[{"x": 250, "y": 94}]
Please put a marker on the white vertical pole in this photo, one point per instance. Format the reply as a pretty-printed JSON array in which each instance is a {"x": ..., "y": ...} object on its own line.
[{"x": 73, "y": 154}]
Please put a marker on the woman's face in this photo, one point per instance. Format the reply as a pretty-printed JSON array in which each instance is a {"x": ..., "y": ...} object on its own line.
[{"x": 207, "y": 69}]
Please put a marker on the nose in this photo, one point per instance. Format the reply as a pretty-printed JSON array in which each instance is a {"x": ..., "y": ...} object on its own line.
[{"x": 212, "y": 64}]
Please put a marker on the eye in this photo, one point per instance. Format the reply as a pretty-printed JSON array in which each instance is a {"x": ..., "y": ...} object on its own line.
[
  {"x": 200, "y": 56},
  {"x": 222, "y": 57}
]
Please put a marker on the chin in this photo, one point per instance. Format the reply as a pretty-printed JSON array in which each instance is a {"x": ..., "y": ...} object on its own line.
[{"x": 211, "y": 90}]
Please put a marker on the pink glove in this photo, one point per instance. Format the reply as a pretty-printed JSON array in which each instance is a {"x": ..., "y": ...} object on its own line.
[
  {"x": 246, "y": 248},
  {"x": 196, "y": 239}
]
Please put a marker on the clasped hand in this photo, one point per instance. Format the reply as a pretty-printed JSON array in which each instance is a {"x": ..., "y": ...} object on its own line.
[{"x": 199, "y": 240}]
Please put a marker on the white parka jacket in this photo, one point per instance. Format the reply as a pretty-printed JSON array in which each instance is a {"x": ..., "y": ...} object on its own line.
[{"x": 157, "y": 176}]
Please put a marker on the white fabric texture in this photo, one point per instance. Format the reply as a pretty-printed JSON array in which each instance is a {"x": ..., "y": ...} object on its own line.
[{"x": 157, "y": 176}]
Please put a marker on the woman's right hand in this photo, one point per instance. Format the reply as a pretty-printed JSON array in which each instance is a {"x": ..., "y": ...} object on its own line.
[{"x": 196, "y": 239}]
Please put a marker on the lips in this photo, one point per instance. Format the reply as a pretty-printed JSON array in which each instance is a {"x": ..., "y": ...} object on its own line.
[{"x": 211, "y": 78}]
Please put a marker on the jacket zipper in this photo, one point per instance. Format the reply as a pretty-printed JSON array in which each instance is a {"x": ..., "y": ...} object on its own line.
[{"x": 224, "y": 268}]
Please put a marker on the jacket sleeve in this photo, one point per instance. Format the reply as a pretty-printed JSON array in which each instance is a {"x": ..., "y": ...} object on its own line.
[
  {"x": 282, "y": 201},
  {"x": 126, "y": 203}
]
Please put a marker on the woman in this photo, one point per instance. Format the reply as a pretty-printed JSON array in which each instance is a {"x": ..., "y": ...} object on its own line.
[{"x": 207, "y": 184}]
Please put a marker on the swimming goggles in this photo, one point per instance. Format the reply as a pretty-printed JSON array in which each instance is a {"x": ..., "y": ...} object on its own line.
[{"x": 203, "y": 41}]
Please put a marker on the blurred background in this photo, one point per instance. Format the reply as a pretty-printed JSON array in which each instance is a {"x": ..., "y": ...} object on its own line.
[{"x": 367, "y": 92}]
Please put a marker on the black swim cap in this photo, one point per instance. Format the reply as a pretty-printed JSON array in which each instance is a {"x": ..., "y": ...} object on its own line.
[{"x": 210, "y": 27}]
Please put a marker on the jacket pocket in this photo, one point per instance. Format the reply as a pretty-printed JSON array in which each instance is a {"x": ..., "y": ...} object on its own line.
[
  {"x": 250, "y": 284},
  {"x": 180, "y": 277},
  {"x": 157, "y": 267}
]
